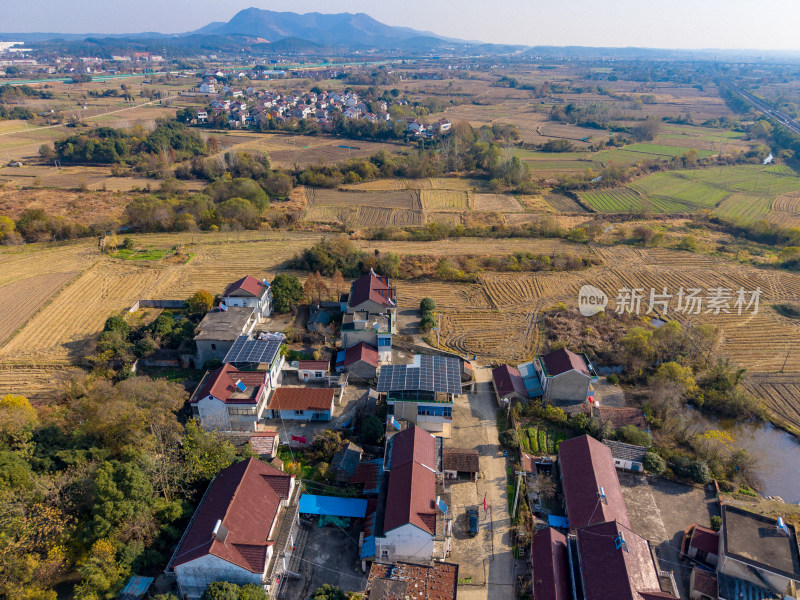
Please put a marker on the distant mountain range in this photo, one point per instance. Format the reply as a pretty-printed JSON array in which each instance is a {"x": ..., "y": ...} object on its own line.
[{"x": 267, "y": 26}]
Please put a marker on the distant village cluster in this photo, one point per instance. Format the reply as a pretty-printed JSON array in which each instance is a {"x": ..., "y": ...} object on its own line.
[{"x": 251, "y": 107}]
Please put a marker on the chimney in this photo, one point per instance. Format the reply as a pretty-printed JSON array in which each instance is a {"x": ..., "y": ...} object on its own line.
[{"x": 220, "y": 531}]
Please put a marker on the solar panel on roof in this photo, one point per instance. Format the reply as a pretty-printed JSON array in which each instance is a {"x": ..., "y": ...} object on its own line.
[
  {"x": 245, "y": 350},
  {"x": 434, "y": 374}
]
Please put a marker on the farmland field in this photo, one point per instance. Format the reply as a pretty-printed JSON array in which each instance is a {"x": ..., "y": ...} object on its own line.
[
  {"x": 496, "y": 203},
  {"x": 563, "y": 203},
  {"x": 615, "y": 200},
  {"x": 404, "y": 199},
  {"x": 20, "y": 299},
  {"x": 785, "y": 210},
  {"x": 444, "y": 200}
]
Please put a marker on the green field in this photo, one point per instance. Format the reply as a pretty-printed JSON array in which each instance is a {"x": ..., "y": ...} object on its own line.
[
  {"x": 742, "y": 193},
  {"x": 616, "y": 200}
]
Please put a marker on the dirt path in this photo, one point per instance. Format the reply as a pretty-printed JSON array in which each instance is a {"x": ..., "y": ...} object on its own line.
[{"x": 474, "y": 426}]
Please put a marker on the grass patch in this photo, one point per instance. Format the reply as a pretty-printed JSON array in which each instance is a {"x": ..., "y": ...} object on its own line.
[{"x": 147, "y": 254}]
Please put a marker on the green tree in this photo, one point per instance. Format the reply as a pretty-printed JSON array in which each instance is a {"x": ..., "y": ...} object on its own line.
[
  {"x": 101, "y": 573},
  {"x": 653, "y": 463},
  {"x": 200, "y": 302},
  {"x": 631, "y": 434},
  {"x": 205, "y": 453},
  {"x": 328, "y": 592},
  {"x": 17, "y": 419},
  {"x": 427, "y": 305},
  {"x": 372, "y": 430},
  {"x": 287, "y": 292},
  {"x": 117, "y": 323}
]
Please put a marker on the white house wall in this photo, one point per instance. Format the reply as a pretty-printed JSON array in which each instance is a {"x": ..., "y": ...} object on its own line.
[
  {"x": 194, "y": 576},
  {"x": 408, "y": 542},
  {"x": 213, "y": 414}
]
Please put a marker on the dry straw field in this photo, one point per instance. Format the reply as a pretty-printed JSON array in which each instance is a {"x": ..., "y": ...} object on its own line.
[{"x": 56, "y": 299}]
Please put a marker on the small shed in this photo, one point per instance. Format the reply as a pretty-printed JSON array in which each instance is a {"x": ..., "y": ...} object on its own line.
[
  {"x": 332, "y": 506},
  {"x": 136, "y": 588},
  {"x": 627, "y": 456},
  {"x": 460, "y": 461},
  {"x": 345, "y": 461},
  {"x": 265, "y": 444}
]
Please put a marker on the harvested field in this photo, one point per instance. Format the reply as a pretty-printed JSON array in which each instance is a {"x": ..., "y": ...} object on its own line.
[
  {"x": 509, "y": 336},
  {"x": 447, "y": 295},
  {"x": 39, "y": 383},
  {"x": 785, "y": 210},
  {"x": 379, "y": 185},
  {"x": 21, "y": 299},
  {"x": 535, "y": 203},
  {"x": 22, "y": 262},
  {"x": 444, "y": 200},
  {"x": 66, "y": 327},
  {"x": 496, "y": 203},
  {"x": 444, "y": 218},
  {"x": 84, "y": 207},
  {"x": 563, "y": 203},
  {"x": 398, "y": 199},
  {"x": 779, "y": 392}
]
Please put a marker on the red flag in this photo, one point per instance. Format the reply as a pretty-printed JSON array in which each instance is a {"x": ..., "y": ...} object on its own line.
[{"x": 484, "y": 503}]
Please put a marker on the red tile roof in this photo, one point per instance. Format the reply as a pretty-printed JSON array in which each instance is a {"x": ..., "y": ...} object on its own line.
[
  {"x": 465, "y": 460},
  {"x": 410, "y": 498},
  {"x": 361, "y": 351},
  {"x": 236, "y": 496},
  {"x": 264, "y": 443},
  {"x": 563, "y": 360},
  {"x": 609, "y": 573},
  {"x": 438, "y": 581},
  {"x": 587, "y": 465},
  {"x": 221, "y": 384},
  {"x": 507, "y": 380},
  {"x": 705, "y": 582},
  {"x": 411, "y": 492},
  {"x": 705, "y": 539},
  {"x": 550, "y": 565},
  {"x": 372, "y": 287},
  {"x": 299, "y": 398},
  {"x": 251, "y": 285},
  {"x": 313, "y": 365},
  {"x": 413, "y": 444}
]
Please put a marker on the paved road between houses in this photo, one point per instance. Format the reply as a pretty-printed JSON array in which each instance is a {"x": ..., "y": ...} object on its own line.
[{"x": 474, "y": 426}]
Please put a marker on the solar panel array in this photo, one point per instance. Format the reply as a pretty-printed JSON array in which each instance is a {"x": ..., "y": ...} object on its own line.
[
  {"x": 245, "y": 350},
  {"x": 434, "y": 374}
]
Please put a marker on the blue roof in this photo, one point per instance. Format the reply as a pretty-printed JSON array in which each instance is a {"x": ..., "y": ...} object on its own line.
[
  {"x": 136, "y": 587},
  {"x": 531, "y": 379},
  {"x": 368, "y": 547},
  {"x": 333, "y": 505},
  {"x": 556, "y": 521}
]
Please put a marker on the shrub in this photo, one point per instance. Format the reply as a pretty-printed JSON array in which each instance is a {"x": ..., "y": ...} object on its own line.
[
  {"x": 688, "y": 468},
  {"x": 427, "y": 305},
  {"x": 117, "y": 323},
  {"x": 510, "y": 439},
  {"x": 427, "y": 323},
  {"x": 613, "y": 379},
  {"x": 716, "y": 523},
  {"x": 371, "y": 430},
  {"x": 653, "y": 463},
  {"x": 631, "y": 434}
]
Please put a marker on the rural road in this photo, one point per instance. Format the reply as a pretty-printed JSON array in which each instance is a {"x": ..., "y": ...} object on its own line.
[
  {"x": 780, "y": 116},
  {"x": 474, "y": 426}
]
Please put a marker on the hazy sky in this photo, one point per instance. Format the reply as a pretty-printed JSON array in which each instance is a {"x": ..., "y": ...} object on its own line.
[{"x": 767, "y": 24}]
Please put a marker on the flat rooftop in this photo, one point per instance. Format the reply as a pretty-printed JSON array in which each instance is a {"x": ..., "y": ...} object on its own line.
[
  {"x": 224, "y": 324},
  {"x": 759, "y": 541}
]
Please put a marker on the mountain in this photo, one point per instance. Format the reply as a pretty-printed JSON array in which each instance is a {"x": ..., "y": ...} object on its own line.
[{"x": 331, "y": 29}]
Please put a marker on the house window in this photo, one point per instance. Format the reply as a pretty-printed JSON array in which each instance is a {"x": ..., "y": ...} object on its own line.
[
  {"x": 239, "y": 410},
  {"x": 299, "y": 412},
  {"x": 435, "y": 411},
  {"x": 384, "y": 342},
  {"x": 318, "y": 374},
  {"x": 384, "y": 554},
  {"x": 213, "y": 346}
]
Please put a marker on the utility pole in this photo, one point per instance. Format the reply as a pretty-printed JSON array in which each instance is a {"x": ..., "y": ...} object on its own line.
[
  {"x": 438, "y": 328},
  {"x": 516, "y": 494}
]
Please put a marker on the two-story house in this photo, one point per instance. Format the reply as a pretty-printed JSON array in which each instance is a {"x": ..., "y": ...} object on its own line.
[
  {"x": 243, "y": 531},
  {"x": 250, "y": 292},
  {"x": 370, "y": 314},
  {"x": 228, "y": 399},
  {"x": 423, "y": 392}
]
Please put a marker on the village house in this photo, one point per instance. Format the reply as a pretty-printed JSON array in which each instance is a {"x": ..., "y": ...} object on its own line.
[
  {"x": 360, "y": 361},
  {"x": 302, "y": 404},
  {"x": 218, "y": 330},
  {"x": 627, "y": 457},
  {"x": 260, "y": 353},
  {"x": 550, "y": 565},
  {"x": 228, "y": 399},
  {"x": 592, "y": 493},
  {"x": 313, "y": 370},
  {"x": 251, "y": 292},
  {"x": 243, "y": 531},
  {"x": 617, "y": 563},
  {"x": 701, "y": 544},
  {"x": 565, "y": 376},
  {"x": 265, "y": 444},
  {"x": 461, "y": 462},
  {"x": 423, "y": 392},
  {"x": 508, "y": 385},
  {"x": 370, "y": 314},
  {"x": 413, "y": 518},
  {"x": 437, "y": 581}
]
